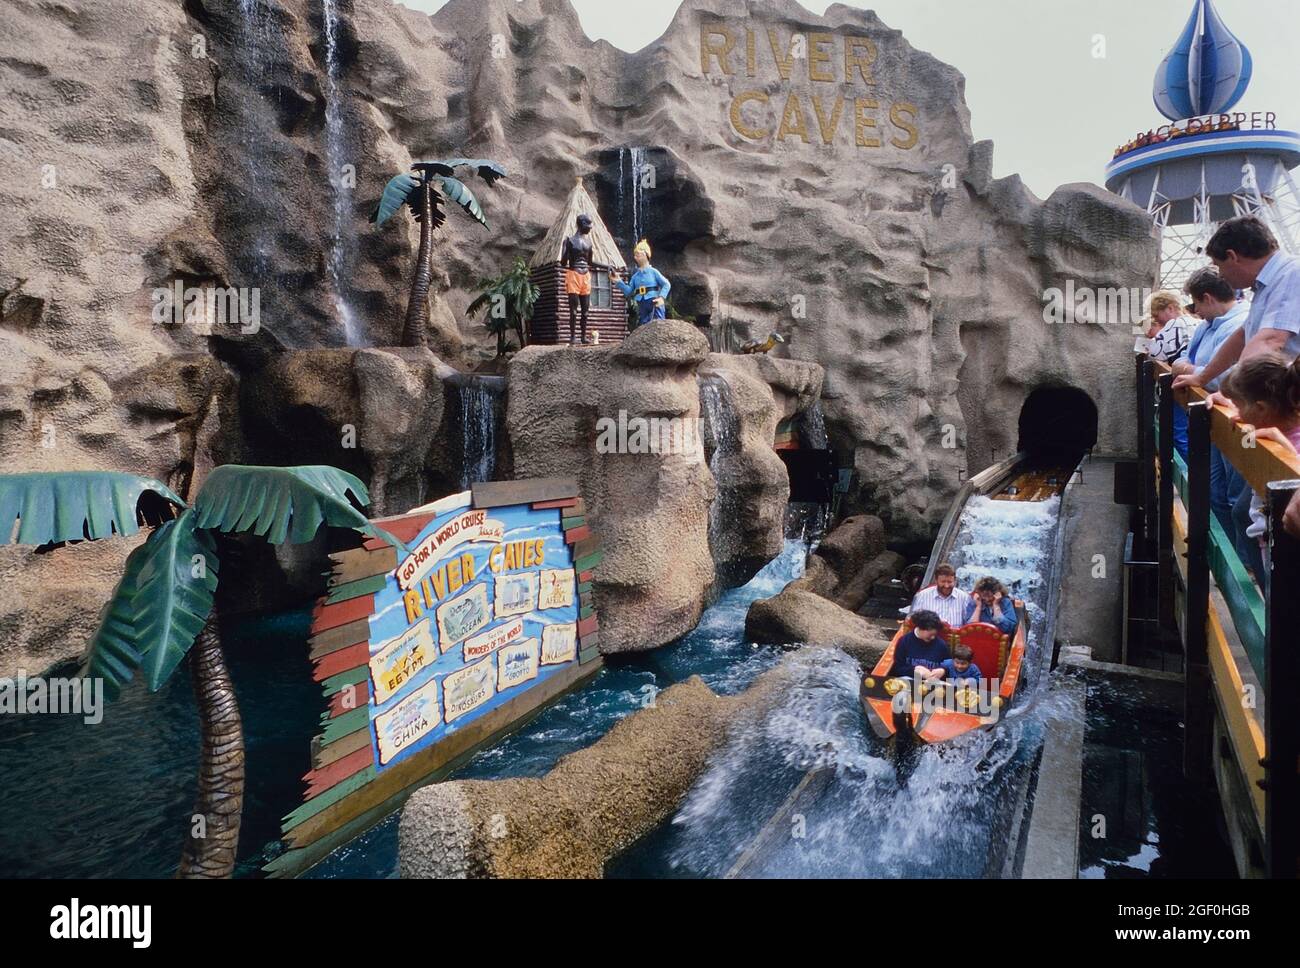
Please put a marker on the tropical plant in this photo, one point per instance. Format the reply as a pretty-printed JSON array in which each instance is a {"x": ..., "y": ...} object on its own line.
[
  {"x": 423, "y": 193},
  {"x": 164, "y": 605},
  {"x": 511, "y": 298}
]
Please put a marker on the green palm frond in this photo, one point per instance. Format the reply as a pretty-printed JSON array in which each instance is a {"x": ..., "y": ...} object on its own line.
[
  {"x": 459, "y": 192},
  {"x": 284, "y": 503},
  {"x": 399, "y": 191},
  {"x": 174, "y": 588},
  {"x": 157, "y": 609},
  {"x": 79, "y": 505},
  {"x": 486, "y": 168}
]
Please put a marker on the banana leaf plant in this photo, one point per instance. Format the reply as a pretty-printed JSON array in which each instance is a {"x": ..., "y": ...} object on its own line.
[
  {"x": 164, "y": 605},
  {"x": 422, "y": 190},
  {"x": 509, "y": 300}
]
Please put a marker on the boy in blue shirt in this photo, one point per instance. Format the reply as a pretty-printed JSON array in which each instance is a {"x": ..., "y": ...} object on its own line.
[
  {"x": 648, "y": 287},
  {"x": 921, "y": 652},
  {"x": 960, "y": 668}
]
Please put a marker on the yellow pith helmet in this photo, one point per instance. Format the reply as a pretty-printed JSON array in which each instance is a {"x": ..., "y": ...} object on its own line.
[{"x": 642, "y": 246}]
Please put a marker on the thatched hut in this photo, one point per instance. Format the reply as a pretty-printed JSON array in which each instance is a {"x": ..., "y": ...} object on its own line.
[{"x": 607, "y": 313}]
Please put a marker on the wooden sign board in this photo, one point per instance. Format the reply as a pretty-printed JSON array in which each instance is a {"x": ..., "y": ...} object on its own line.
[{"x": 428, "y": 656}]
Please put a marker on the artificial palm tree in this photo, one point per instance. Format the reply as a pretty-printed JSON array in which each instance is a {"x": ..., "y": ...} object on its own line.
[
  {"x": 512, "y": 297},
  {"x": 423, "y": 192},
  {"x": 163, "y": 607}
]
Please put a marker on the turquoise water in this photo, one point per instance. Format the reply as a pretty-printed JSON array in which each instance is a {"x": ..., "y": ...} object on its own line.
[{"x": 113, "y": 799}]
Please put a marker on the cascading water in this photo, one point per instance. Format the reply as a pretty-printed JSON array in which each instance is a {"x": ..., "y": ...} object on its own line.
[
  {"x": 722, "y": 435},
  {"x": 1014, "y": 542},
  {"x": 478, "y": 422},
  {"x": 633, "y": 193},
  {"x": 812, "y": 428},
  {"x": 340, "y": 241},
  {"x": 947, "y": 817}
]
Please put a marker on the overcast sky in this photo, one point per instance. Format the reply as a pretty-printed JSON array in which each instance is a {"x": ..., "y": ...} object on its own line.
[{"x": 1054, "y": 111}]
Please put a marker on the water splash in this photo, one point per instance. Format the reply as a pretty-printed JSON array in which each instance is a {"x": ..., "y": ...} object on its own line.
[{"x": 340, "y": 245}]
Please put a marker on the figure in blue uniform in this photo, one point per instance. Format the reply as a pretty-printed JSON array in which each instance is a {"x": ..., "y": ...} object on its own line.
[{"x": 648, "y": 287}]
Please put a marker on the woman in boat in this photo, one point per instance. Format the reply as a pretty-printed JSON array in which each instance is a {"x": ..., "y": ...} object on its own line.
[
  {"x": 921, "y": 652},
  {"x": 992, "y": 605}
]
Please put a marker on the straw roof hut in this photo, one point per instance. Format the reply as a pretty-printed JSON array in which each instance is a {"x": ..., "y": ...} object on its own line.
[{"x": 607, "y": 313}]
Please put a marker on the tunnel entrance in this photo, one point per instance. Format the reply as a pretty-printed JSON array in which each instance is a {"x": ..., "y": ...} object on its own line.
[{"x": 1057, "y": 424}]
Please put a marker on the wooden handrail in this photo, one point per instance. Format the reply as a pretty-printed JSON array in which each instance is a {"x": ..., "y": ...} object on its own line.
[{"x": 1266, "y": 461}]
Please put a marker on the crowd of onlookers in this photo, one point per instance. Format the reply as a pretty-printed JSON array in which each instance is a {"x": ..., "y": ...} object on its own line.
[{"x": 1246, "y": 353}]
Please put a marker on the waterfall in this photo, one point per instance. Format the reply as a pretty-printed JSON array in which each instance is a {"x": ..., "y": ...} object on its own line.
[
  {"x": 251, "y": 54},
  {"x": 636, "y": 166},
  {"x": 340, "y": 241},
  {"x": 478, "y": 427},
  {"x": 722, "y": 436},
  {"x": 812, "y": 427}
]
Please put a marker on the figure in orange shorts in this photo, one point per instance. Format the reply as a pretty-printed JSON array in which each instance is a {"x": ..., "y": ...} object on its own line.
[{"x": 576, "y": 260}]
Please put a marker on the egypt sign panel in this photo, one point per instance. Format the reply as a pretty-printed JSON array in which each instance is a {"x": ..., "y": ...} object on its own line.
[{"x": 480, "y": 608}]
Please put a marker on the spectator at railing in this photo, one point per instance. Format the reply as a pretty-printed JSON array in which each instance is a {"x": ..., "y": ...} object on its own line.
[
  {"x": 1224, "y": 314},
  {"x": 1167, "y": 341},
  {"x": 1266, "y": 393},
  {"x": 1247, "y": 256}
]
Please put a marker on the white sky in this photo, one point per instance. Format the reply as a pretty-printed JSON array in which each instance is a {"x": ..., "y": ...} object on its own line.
[{"x": 1054, "y": 111}]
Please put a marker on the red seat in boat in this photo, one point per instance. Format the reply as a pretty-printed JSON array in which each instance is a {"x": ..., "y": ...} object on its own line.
[{"x": 989, "y": 646}]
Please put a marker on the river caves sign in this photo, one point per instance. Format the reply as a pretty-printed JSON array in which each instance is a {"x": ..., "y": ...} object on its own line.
[{"x": 427, "y": 654}]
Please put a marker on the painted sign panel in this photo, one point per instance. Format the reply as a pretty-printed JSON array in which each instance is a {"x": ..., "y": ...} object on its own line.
[
  {"x": 467, "y": 689},
  {"x": 471, "y": 525},
  {"x": 493, "y": 639},
  {"x": 516, "y": 594},
  {"x": 557, "y": 588},
  {"x": 463, "y": 615},
  {"x": 559, "y": 643},
  {"x": 517, "y": 664},
  {"x": 409, "y": 721},
  {"x": 484, "y": 607},
  {"x": 397, "y": 661}
]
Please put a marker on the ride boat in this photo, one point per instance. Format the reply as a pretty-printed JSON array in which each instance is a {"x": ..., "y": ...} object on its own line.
[{"x": 935, "y": 711}]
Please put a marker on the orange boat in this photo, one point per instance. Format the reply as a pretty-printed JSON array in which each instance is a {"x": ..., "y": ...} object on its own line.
[{"x": 942, "y": 711}]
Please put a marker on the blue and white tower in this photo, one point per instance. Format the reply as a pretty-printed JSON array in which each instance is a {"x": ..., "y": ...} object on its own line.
[{"x": 1209, "y": 163}]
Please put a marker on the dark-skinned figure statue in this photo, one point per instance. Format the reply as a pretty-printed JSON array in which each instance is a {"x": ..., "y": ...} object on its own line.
[{"x": 575, "y": 257}]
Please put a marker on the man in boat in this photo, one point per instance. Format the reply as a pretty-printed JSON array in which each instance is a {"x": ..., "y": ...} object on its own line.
[
  {"x": 942, "y": 597},
  {"x": 992, "y": 605},
  {"x": 921, "y": 652},
  {"x": 960, "y": 668}
]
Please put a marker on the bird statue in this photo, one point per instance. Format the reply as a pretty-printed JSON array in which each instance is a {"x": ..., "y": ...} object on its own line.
[{"x": 762, "y": 346}]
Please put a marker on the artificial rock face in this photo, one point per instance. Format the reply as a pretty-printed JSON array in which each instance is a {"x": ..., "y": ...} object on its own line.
[{"x": 810, "y": 175}]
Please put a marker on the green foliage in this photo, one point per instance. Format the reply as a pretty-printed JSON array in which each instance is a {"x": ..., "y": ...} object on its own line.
[
  {"x": 78, "y": 505},
  {"x": 284, "y": 503},
  {"x": 459, "y": 192},
  {"x": 517, "y": 297}
]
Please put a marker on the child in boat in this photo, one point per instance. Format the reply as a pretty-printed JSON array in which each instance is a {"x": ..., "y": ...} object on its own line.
[
  {"x": 991, "y": 604},
  {"x": 960, "y": 668},
  {"x": 1265, "y": 389},
  {"x": 921, "y": 652}
]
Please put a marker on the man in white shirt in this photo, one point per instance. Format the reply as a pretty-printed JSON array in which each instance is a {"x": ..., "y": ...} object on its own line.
[
  {"x": 1248, "y": 257},
  {"x": 942, "y": 597}
]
